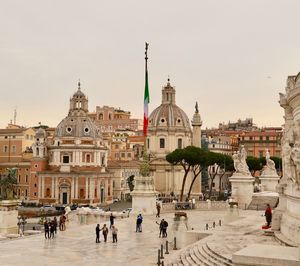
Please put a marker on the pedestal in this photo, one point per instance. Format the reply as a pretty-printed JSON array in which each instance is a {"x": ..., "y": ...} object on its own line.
[
  {"x": 269, "y": 183},
  {"x": 290, "y": 222},
  {"x": 8, "y": 216},
  {"x": 144, "y": 196},
  {"x": 242, "y": 189},
  {"x": 144, "y": 203}
]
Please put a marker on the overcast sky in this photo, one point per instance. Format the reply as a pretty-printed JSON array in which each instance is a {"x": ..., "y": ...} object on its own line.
[{"x": 233, "y": 57}]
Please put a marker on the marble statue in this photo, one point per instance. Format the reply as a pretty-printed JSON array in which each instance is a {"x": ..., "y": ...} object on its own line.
[
  {"x": 7, "y": 184},
  {"x": 239, "y": 161},
  {"x": 295, "y": 157},
  {"x": 269, "y": 169}
]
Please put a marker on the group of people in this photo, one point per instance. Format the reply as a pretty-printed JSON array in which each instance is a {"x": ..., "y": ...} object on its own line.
[
  {"x": 163, "y": 226},
  {"x": 50, "y": 228},
  {"x": 104, "y": 229}
]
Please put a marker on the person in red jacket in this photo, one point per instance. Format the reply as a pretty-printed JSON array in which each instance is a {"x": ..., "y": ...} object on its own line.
[{"x": 268, "y": 214}]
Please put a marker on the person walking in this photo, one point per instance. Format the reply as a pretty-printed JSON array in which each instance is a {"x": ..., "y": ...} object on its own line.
[
  {"x": 61, "y": 225},
  {"x": 104, "y": 232},
  {"x": 268, "y": 214},
  {"x": 114, "y": 231},
  {"x": 161, "y": 225},
  {"x": 51, "y": 228},
  {"x": 111, "y": 219},
  {"x": 46, "y": 229},
  {"x": 139, "y": 221},
  {"x": 164, "y": 228},
  {"x": 157, "y": 209},
  {"x": 55, "y": 224},
  {"x": 98, "y": 233}
]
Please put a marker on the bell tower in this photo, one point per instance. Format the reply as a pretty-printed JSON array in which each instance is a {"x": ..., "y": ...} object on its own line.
[{"x": 78, "y": 103}]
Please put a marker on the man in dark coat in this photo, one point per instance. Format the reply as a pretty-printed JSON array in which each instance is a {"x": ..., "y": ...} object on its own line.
[
  {"x": 98, "y": 233},
  {"x": 111, "y": 219}
]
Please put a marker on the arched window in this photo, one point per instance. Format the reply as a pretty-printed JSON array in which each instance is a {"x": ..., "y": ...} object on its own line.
[
  {"x": 179, "y": 143},
  {"x": 100, "y": 116},
  {"x": 162, "y": 143}
]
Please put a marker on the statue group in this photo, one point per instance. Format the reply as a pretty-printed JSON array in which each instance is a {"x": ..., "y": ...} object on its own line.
[{"x": 239, "y": 160}]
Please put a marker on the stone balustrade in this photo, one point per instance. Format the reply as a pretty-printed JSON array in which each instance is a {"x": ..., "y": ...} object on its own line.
[{"x": 199, "y": 205}]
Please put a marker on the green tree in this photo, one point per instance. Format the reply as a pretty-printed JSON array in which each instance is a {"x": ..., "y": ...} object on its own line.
[
  {"x": 254, "y": 164},
  {"x": 189, "y": 158}
]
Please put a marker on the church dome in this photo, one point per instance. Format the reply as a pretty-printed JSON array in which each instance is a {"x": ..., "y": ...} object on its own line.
[
  {"x": 40, "y": 133},
  {"x": 77, "y": 124},
  {"x": 78, "y": 127},
  {"x": 168, "y": 114}
]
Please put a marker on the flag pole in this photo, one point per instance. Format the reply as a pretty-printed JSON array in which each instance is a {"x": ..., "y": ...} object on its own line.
[{"x": 146, "y": 99}]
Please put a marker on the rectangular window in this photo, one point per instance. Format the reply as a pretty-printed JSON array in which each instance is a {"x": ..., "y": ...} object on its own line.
[
  {"x": 261, "y": 153},
  {"x": 179, "y": 144},
  {"x": 122, "y": 154},
  {"x": 5, "y": 149},
  {"x": 162, "y": 143},
  {"x": 148, "y": 143},
  {"x": 13, "y": 149},
  {"x": 26, "y": 179},
  {"x": 129, "y": 155},
  {"x": 65, "y": 159}
]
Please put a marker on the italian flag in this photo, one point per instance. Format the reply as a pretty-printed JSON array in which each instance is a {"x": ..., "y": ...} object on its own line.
[{"x": 146, "y": 102}]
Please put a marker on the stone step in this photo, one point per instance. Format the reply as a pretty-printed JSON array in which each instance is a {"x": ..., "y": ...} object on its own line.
[
  {"x": 217, "y": 260},
  {"x": 201, "y": 254},
  {"x": 194, "y": 254},
  {"x": 188, "y": 257},
  {"x": 183, "y": 260},
  {"x": 260, "y": 202},
  {"x": 203, "y": 257},
  {"x": 225, "y": 260}
]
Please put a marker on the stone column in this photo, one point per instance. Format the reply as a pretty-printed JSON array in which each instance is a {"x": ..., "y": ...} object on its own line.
[
  {"x": 56, "y": 188},
  {"x": 72, "y": 189},
  {"x": 92, "y": 188},
  {"x": 76, "y": 187},
  {"x": 86, "y": 188},
  {"x": 40, "y": 187},
  {"x": 52, "y": 187},
  {"x": 43, "y": 187}
]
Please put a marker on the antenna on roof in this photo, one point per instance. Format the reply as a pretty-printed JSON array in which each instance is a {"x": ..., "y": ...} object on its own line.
[{"x": 15, "y": 116}]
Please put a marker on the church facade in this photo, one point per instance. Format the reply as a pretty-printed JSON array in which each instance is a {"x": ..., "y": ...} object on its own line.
[
  {"x": 170, "y": 129},
  {"x": 71, "y": 166}
]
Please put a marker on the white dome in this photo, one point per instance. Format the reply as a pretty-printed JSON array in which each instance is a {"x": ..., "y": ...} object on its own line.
[
  {"x": 78, "y": 127},
  {"x": 168, "y": 114}
]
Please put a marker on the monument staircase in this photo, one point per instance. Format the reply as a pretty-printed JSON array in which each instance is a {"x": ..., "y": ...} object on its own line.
[
  {"x": 200, "y": 254},
  {"x": 260, "y": 200}
]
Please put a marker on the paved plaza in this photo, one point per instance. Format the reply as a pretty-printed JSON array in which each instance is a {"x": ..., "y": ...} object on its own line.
[{"x": 76, "y": 245}]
